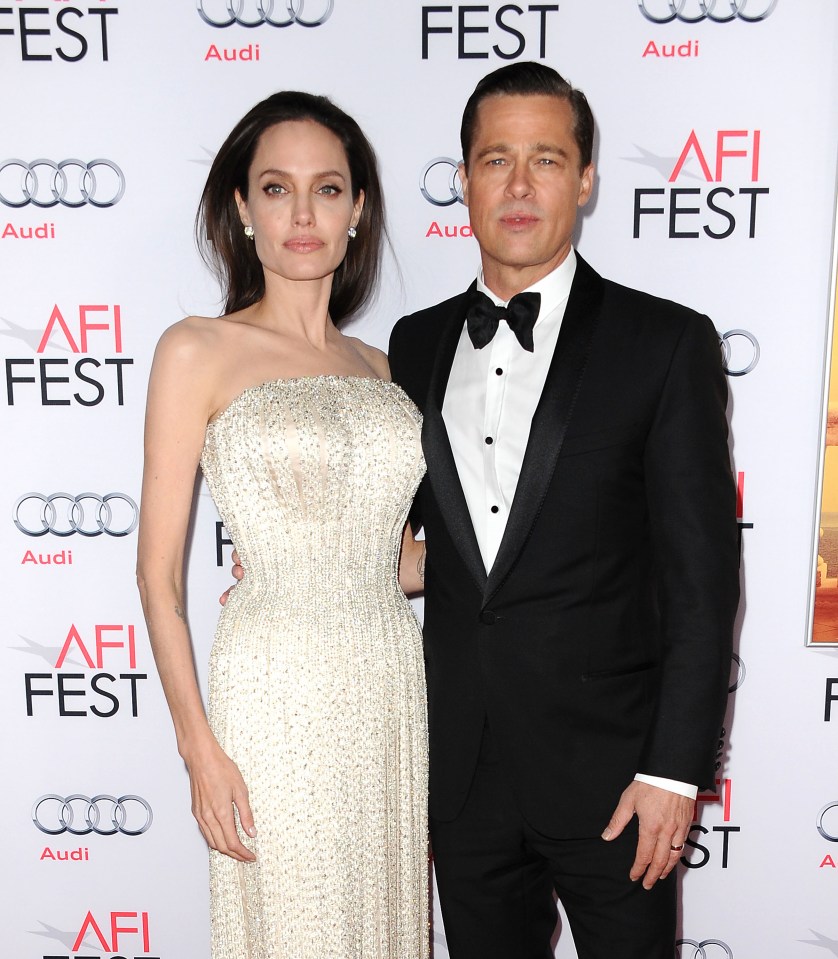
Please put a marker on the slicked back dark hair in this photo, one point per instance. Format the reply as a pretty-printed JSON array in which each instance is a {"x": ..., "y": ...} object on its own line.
[
  {"x": 528, "y": 78},
  {"x": 218, "y": 227}
]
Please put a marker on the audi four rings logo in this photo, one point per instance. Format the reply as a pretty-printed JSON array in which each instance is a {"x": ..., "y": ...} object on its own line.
[
  {"x": 706, "y": 949},
  {"x": 73, "y": 183},
  {"x": 737, "y": 680},
  {"x": 440, "y": 183},
  {"x": 693, "y": 11},
  {"x": 833, "y": 835},
  {"x": 308, "y": 13},
  {"x": 738, "y": 357},
  {"x": 79, "y": 815},
  {"x": 87, "y": 514}
]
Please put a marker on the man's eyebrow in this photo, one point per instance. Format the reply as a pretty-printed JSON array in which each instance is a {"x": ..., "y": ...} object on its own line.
[
  {"x": 549, "y": 148},
  {"x": 493, "y": 148},
  {"x": 533, "y": 148}
]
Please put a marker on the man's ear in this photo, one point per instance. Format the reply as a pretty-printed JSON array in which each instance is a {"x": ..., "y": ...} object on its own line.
[{"x": 463, "y": 175}]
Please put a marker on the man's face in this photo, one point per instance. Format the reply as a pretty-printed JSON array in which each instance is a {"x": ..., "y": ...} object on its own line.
[{"x": 523, "y": 185}]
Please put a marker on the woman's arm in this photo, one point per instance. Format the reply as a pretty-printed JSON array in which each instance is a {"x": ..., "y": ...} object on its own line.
[{"x": 180, "y": 399}]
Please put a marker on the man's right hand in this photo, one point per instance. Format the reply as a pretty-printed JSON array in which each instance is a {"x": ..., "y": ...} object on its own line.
[
  {"x": 663, "y": 825},
  {"x": 238, "y": 573}
]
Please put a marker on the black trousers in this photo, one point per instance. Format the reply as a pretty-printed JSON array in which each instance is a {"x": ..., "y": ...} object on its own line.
[{"x": 497, "y": 880}]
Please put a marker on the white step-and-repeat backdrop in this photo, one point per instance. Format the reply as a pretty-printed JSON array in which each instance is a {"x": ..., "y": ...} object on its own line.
[{"x": 716, "y": 157}]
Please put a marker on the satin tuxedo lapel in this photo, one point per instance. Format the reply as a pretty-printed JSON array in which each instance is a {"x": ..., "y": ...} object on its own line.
[
  {"x": 551, "y": 419},
  {"x": 443, "y": 477}
]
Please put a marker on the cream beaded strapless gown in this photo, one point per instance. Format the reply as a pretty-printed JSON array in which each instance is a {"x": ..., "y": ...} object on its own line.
[{"x": 317, "y": 687}]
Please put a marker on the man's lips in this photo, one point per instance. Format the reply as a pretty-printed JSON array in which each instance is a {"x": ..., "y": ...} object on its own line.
[
  {"x": 303, "y": 244},
  {"x": 519, "y": 221}
]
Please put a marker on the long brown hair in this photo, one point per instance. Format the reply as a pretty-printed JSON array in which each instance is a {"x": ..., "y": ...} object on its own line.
[{"x": 218, "y": 228}]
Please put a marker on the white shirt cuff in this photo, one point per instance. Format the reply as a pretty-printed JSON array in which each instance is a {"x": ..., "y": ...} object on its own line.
[{"x": 673, "y": 785}]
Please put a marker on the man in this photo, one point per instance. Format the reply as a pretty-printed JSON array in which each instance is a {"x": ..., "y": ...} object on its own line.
[{"x": 582, "y": 557}]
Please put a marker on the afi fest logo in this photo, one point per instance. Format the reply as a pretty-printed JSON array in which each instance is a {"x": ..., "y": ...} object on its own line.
[
  {"x": 42, "y": 34},
  {"x": 830, "y": 697},
  {"x": 50, "y": 380},
  {"x": 716, "y": 195},
  {"x": 121, "y": 935},
  {"x": 743, "y": 526},
  {"x": 508, "y": 31},
  {"x": 93, "y": 673},
  {"x": 714, "y": 843}
]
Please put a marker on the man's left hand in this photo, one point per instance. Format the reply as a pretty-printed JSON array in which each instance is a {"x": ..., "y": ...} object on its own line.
[
  {"x": 664, "y": 819},
  {"x": 238, "y": 574}
]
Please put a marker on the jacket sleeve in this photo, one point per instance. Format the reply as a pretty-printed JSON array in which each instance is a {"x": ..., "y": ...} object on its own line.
[
  {"x": 692, "y": 509},
  {"x": 396, "y": 352}
]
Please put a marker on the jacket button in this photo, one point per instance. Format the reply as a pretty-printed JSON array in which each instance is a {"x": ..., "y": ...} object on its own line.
[{"x": 487, "y": 617}]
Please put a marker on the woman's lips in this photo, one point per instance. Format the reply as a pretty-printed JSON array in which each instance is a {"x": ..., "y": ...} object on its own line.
[{"x": 303, "y": 244}]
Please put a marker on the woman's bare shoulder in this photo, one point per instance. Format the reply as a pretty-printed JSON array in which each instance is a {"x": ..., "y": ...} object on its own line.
[
  {"x": 373, "y": 357},
  {"x": 195, "y": 340}
]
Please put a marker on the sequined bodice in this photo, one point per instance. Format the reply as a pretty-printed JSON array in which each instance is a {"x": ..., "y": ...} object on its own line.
[{"x": 312, "y": 477}]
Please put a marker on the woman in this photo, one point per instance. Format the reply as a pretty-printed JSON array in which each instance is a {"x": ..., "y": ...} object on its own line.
[{"x": 309, "y": 775}]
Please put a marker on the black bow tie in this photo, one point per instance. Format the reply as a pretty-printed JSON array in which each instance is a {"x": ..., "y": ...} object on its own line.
[{"x": 482, "y": 318}]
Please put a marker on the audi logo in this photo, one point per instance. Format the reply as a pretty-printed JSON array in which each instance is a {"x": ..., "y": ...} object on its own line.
[
  {"x": 87, "y": 514},
  {"x": 719, "y": 11},
  {"x": 706, "y": 949},
  {"x": 739, "y": 678},
  {"x": 262, "y": 11},
  {"x": 45, "y": 183},
  {"x": 440, "y": 183},
  {"x": 738, "y": 357},
  {"x": 79, "y": 815},
  {"x": 829, "y": 836}
]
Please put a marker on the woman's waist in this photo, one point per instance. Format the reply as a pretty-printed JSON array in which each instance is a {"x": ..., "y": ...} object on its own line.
[
  {"x": 291, "y": 583},
  {"x": 351, "y": 621},
  {"x": 287, "y": 597}
]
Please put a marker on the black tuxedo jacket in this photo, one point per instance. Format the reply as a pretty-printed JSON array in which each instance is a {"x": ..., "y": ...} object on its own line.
[{"x": 599, "y": 644}]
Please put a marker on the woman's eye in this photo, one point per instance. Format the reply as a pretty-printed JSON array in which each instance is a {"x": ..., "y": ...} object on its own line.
[
  {"x": 330, "y": 189},
  {"x": 275, "y": 189}
]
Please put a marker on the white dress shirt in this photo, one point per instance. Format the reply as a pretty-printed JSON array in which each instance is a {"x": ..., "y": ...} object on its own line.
[{"x": 488, "y": 408}]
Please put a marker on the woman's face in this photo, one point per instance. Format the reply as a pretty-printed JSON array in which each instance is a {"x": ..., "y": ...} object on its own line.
[{"x": 299, "y": 200}]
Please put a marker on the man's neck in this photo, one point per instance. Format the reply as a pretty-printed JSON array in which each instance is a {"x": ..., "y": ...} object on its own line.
[{"x": 507, "y": 281}]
